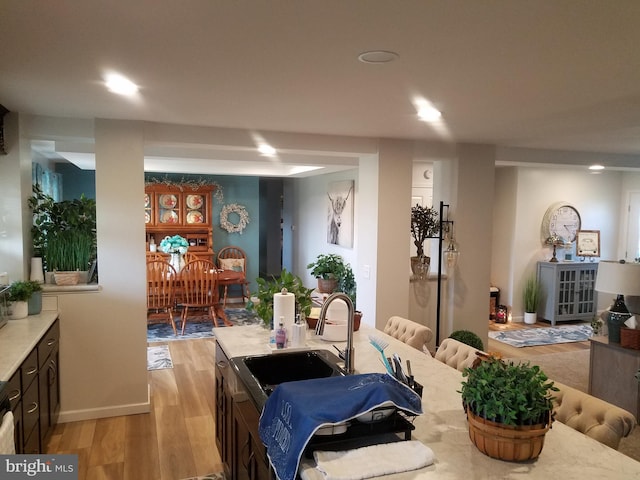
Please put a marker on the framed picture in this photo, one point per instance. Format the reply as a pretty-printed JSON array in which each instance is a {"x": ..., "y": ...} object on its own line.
[
  {"x": 588, "y": 243},
  {"x": 340, "y": 213}
]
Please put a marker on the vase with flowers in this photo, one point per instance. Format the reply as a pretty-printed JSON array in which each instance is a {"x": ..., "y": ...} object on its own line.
[{"x": 176, "y": 246}]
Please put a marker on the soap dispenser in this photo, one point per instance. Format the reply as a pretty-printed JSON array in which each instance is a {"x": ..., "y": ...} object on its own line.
[
  {"x": 299, "y": 332},
  {"x": 281, "y": 335}
]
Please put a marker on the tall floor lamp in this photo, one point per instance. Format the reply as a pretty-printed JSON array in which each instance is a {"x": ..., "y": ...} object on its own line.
[
  {"x": 451, "y": 257},
  {"x": 620, "y": 278}
]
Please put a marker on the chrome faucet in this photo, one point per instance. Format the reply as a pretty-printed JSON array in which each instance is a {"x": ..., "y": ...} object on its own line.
[{"x": 348, "y": 354}]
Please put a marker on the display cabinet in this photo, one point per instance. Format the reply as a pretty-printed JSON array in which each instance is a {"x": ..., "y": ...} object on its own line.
[
  {"x": 180, "y": 210},
  {"x": 568, "y": 291}
]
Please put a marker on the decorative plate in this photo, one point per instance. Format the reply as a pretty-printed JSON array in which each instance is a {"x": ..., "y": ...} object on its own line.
[
  {"x": 195, "y": 217},
  {"x": 194, "y": 201},
  {"x": 147, "y": 217},
  {"x": 168, "y": 201},
  {"x": 146, "y": 200},
  {"x": 169, "y": 216}
]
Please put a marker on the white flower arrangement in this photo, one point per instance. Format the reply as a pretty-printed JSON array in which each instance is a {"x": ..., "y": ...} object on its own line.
[
  {"x": 242, "y": 222},
  {"x": 175, "y": 244}
]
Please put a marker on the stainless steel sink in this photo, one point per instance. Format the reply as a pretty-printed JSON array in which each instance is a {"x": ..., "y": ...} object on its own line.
[{"x": 261, "y": 374}]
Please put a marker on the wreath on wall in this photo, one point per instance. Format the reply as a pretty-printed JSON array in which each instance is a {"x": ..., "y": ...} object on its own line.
[{"x": 242, "y": 214}]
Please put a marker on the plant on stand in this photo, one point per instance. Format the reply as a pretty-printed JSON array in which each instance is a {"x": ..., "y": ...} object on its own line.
[
  {"x": 531, "y": 297},
  {"x": 424, "y": 224},
  {"x": 510, "y": 425},
  {"x": 328, "y": 269}
]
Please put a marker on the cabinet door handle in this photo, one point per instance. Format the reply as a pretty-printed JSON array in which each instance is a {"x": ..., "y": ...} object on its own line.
[
  {"x": 32, "y": 370},
  {"x": 51, "y": 341},
  {"x": 14, "y": 394},
  {"x": 53, "y": 371},
  {"x": 222, "y": 364},
  {"x": 33, "y": 408}
]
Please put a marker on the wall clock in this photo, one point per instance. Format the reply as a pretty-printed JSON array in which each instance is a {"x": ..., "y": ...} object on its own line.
[{"x": 561, "y": 219}]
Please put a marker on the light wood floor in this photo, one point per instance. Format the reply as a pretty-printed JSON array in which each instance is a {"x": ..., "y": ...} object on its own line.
[{"x": 175, "y": 441}]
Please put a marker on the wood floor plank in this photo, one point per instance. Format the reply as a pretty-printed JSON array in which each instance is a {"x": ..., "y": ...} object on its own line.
[
  {"x": 77, "y": 435},
  {"x": 141, "y": 459},
  {"x": 205, "y": 453},
  {"x": 190, "y": 392},
  {"x": 164, "y": 390},
  {"x": 174, "y": 448},
  {"x": 108, "y": 444}
]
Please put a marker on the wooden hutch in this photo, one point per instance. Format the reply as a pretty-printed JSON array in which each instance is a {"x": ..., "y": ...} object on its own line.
[{"x": 183, "y": 210}]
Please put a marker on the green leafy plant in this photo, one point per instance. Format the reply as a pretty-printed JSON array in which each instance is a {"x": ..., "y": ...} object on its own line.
[
  {"x": 347, "y": 283},
  {"x": 509, "y": 393},
  {"x": 424, "y": 224},
  {"x": 21, "y": 291},
  {"x": 531, "y": 295},
  {"x": 328, "y": 267},
  {"x": 267, "y": 288},
  {"x": 468, "y": 338},
  {"x": 63, "y": 233}
]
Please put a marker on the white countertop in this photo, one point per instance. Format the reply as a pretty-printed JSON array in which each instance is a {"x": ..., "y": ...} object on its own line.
[
  {"x": 19, "y": 337},
  {"x": 567, "y": 454}
]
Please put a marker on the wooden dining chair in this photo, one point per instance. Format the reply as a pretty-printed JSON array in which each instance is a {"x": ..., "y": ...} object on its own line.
[
  {"x": 199, "y": 281},
  {"x": 161, "y": 277},
  {"x": 234, "y": 259}
]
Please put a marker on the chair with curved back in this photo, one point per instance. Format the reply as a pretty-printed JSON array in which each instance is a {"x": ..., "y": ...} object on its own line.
[
  {"x": 161, "y": 279},
  {"x": 233, "y": 259},
  {"x": 190, "y": 257},
  {"x": 409, "y": 332},
  {"x": 199, "y": 280}
]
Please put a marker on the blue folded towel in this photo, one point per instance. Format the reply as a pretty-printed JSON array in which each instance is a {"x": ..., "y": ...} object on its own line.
[{"x": 296, "y": 410}]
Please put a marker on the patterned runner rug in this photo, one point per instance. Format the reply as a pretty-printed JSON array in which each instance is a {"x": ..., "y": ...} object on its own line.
[
  {"x": 529, "y": 337},
  {"x": 159, "y": 357},
  {"x": 198, "y": 327}
]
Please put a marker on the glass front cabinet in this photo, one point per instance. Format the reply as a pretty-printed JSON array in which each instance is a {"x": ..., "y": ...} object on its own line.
[
  {"x": 568, "y": 291},
  {"x": 180, "y": 210}
]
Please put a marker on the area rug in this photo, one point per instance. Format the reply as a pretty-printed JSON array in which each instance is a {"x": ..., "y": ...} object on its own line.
[
  {"x": 159, "y": 357},
  {"x": 199, "y": 327},
  {"x": 529, "y": 337}
]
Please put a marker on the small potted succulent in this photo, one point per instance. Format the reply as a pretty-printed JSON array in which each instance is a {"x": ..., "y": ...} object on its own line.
[{"x": 509, "y": 408}]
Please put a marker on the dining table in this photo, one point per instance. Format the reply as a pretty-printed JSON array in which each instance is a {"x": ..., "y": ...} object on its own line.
[{"x": 567, "y": 453}]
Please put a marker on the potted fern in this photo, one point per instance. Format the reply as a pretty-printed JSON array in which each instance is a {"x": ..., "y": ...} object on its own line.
[
  {"x": 328, "y": 269},
  {"x": 531, "y": 298},
  {"x": 508, "y": 408}
]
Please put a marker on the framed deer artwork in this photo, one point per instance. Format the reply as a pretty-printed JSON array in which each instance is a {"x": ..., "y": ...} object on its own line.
[{"x": 340, "y": 197}]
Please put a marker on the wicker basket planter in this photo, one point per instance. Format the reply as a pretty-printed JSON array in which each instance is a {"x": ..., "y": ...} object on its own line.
[
  {"x": 66, "y": 278},
  {"x": 630, "y": 338},
  {"x": 507, "y": 442}
]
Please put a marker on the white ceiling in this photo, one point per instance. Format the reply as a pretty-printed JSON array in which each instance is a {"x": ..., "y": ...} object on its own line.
[{"x": 547, "y": 74}]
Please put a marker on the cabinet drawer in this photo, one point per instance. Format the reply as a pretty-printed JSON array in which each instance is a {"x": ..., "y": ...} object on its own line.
[
  {"x": 30, "y": 411},
  {"x": 29, "y": 369},
  {"x": 14, "y": 390},
  {"x": 48, "y": 343}
]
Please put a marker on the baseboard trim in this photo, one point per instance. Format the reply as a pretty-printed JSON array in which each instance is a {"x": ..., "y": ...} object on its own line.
[{"x": 95, "y": 413}]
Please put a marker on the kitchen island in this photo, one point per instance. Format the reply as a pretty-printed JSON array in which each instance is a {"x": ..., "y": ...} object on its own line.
[{"x": 567, "y": 454}]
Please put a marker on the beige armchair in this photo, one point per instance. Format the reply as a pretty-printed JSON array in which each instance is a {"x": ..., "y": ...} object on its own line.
[
  {"x": 409, "y": 332},
  {"x": 592, "y": 416},
  {"x": 456, "y": 354}
]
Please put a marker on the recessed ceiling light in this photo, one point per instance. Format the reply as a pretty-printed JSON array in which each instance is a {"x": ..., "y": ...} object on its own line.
[
  {"x": 377, "y": 56},
  {"x": 426, "y": 111},
  {"x": 267, "y": 150},
  {"x": 121, "y": 85},
  {"x": 596, "y": 167}
]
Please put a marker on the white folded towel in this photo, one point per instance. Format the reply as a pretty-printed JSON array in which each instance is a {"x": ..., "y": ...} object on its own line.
[
  {"x": 7, "y": 441},
  {"x": 373, "y": 461}
]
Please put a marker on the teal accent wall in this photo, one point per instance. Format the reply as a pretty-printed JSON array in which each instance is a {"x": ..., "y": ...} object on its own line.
[{"x": 76, "y": 182}]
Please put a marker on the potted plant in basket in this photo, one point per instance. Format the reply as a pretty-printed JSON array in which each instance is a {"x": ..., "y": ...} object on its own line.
[
  {"x": 328, "y": 269},
  {"x": 509, "y": 408},
  {"x": 424, "y": 224},
  {"x": 531, "y": 298},
  {"x": 63, "y": 233},
  {"x": 267, "y": 288}
]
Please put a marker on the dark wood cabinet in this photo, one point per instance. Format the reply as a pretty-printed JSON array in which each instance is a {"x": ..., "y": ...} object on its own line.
[
  {"x": 34, "y": 394},
  {"x": 243, "y": 454}
]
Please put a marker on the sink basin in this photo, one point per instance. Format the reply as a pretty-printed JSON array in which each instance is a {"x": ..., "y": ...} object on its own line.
[{"x": 261, "y": 374}]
